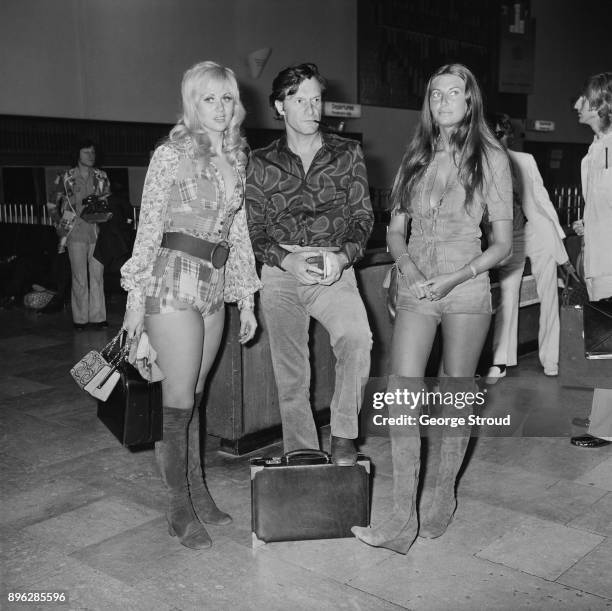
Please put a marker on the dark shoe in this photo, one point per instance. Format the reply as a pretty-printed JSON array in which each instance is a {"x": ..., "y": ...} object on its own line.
[
  {"x": 588, "y": 441},
  {"x": 585, "y": 422},
  {"x": 204, "y": 506},
  {"x": 495, "y": 373},
  {"x": 171, "y": 456},
  {"x": 99, "y": 325},
  {"x": 79, "y": 326},
  {"x": 343, "y": 451}
]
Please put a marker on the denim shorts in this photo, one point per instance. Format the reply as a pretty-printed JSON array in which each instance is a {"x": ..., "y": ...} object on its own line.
[{"x": 470, "y": 297}]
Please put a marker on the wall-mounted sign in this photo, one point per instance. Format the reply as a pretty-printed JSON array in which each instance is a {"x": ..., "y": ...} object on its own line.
[
  {"x": 516, "y": 49},
  {"x": 342, "y": 109},
  {"x": 540, "y": 125}
]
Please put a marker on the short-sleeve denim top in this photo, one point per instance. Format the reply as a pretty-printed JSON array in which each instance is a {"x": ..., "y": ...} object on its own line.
[{"x": 446, "y": 236}]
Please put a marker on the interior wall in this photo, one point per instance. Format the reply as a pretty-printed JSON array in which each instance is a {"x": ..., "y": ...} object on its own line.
[
  {"x": 117, "y": 60},
  {"x": 386, "y": 132},
  {"x": 573, "y": 42}
]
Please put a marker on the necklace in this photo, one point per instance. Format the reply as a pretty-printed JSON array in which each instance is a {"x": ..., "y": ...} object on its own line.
[{"x": 447, "y": 186}]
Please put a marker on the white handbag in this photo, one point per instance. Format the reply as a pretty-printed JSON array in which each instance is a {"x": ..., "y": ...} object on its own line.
[{"x": 103, "y": 383}]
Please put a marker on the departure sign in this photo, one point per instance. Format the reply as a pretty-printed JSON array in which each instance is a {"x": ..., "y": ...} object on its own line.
[{"x": 342, "y": 109}]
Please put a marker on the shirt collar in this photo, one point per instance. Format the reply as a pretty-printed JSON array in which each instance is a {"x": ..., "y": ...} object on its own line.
[
  {"x": 328, "y": 142},
  {"x": 603, "y": 139}
]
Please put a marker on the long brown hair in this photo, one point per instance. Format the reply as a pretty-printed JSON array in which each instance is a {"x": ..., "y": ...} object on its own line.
[{"x": 471, "y": 143}]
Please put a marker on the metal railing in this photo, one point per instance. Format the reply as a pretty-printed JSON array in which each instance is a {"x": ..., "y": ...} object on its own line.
[
  {"x": 567, "y": 200},
  {"x": 29, "y": 214},
  {"x": 569, "y": 204},
  {"x": 36, "y": 214}
]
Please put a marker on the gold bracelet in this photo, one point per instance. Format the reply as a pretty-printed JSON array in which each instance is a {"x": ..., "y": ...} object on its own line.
[{"x": 473, "y": 270}]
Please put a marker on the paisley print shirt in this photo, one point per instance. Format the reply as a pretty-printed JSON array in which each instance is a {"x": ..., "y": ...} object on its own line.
[
  {"x": 327, "y": 206},
  {"x": 178, "y": 197}
]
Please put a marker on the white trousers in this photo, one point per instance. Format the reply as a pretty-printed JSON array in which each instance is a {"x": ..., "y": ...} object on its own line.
[
  {"x": 601, "y": 414},
  {"x": 544, "y": 270},
  {"x": 87, "y": 296}
]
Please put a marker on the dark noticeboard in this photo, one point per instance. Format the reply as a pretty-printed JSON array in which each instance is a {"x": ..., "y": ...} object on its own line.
[
  {"x": 516, "y": 50},
  {"x": 402, "y": 42}
]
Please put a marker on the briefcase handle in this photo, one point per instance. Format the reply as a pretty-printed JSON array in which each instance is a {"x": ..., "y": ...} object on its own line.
[{"x": 315, "y": 456}]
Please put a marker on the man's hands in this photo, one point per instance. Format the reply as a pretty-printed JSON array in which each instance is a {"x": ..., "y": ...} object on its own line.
[{"x": 306, "y": 273}]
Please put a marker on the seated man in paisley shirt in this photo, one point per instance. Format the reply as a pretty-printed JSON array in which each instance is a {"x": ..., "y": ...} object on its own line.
[{"x": 309, "y": 217}]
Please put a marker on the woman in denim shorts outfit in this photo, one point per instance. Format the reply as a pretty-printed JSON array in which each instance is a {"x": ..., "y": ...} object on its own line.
[
  {"x": 192, "y": 253},
  {"x": 453, "y": 173}
]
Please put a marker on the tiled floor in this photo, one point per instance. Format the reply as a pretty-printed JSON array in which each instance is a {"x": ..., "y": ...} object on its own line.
[{"x": 82, "y": 514}]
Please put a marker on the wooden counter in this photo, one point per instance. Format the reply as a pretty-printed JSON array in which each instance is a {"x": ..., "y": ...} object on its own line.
[{"x": 242, "y": 404}]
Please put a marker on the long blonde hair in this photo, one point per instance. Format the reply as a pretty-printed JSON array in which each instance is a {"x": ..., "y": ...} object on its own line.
[{"x": 188, "y": 126}]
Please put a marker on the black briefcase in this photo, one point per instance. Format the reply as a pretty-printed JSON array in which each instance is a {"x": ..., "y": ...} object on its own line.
[
  {"x": 133, "y": 410},
  {"x": 302, "y": 495},
  {"x": 597, "y": 319},
  {"x": 575, "y": 369}
]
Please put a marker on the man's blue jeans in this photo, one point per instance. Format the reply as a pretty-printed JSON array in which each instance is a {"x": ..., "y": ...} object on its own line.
[{"x": 287, "y": 307}]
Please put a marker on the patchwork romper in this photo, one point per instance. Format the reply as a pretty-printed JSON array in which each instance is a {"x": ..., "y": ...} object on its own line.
[{"x": 179, "y": 197}]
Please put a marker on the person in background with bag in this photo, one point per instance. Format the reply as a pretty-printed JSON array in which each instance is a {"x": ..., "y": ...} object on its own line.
[
  {"x": 116, "y": 239},
  {"x": 537, "y": 234},
  {"x": 453, "y": 172},
  {"x": 75, "y": 185},
  {"x": 192, "y": 252},
  {"x": 594, "y": 108},
  {"x": 310, "y": 217}
]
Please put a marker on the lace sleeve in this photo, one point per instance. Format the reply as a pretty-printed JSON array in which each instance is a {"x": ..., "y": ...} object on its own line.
[{"x": 241, "y": 280}]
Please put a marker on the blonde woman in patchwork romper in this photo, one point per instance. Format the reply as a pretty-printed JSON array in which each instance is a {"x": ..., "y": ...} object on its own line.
[{"x": 192, "y": 253}]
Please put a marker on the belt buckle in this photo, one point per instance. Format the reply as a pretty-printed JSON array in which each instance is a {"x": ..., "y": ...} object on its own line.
[{"x": 219, "y": 254}]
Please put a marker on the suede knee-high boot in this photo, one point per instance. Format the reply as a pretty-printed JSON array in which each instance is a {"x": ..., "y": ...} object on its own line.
[
  {"x": 204, "y": 506},
  {"x": 171, "y": 456},
  {"x": 436, "y": 515},
  {"x": 399, "y": 531}
]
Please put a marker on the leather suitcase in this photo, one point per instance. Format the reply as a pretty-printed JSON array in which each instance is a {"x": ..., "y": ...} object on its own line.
[
  {"x": 133, "y": 410},
  {"x": 597, "y": 318},
  {"x": 302, "y": 495},
  {"x": 575, "y": 369}
]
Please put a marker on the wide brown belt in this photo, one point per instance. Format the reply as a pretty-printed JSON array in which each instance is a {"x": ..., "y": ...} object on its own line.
[{"x": 215, "y": 252}]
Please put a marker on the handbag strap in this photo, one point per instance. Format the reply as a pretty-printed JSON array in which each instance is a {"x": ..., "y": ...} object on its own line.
[
  {"x": 570, "y": 272},
  {"x": 115, "y": 359}
]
